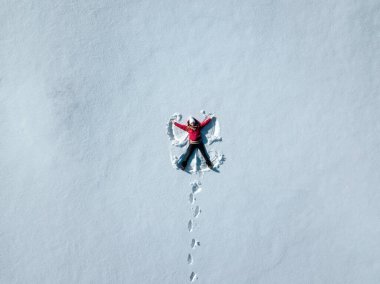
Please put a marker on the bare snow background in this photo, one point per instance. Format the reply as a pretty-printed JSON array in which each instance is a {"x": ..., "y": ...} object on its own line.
[{"x": 87, "y": 191}]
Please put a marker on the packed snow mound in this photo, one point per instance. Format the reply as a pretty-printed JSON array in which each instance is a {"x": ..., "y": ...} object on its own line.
[
  {"x": 212, "y": 130},
  {"x": 179, "y": 139},
  {"x": 177, "y": 136}
]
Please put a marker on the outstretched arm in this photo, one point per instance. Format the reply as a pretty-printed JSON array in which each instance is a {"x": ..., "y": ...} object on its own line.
[
  {"x": 183, "y": 127},
  {"x": 205, "y": 122}
]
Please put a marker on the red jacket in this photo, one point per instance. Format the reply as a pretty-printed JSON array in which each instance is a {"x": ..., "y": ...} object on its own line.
[{"x": 194, "y": 133}]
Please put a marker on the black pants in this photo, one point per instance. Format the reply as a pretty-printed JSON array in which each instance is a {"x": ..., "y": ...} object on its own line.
[{"x": 191, "y": 149}]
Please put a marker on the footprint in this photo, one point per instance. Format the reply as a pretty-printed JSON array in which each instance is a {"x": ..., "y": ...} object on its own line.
[
  {"x": 194, "y": 243},
  {"x": 191, "y": 198},
  {"x": 193, "y": 277},
  {"x": 197, "y": 211},
  {"x": 190, "y": 225},
  {"x": 189, "y": 259},
  {"x": 195, "y": 187}
]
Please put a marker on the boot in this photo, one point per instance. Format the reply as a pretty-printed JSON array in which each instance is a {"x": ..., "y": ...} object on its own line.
[
  {"x": 182, "y": 166},
  {"x": 210, "y": 164}
]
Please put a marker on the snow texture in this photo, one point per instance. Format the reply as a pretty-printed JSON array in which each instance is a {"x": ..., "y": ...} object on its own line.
[{"x": 87, "y": 192}]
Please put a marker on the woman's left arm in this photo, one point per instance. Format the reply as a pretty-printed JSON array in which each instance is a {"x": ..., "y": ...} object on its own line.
[{"x": 205, "y": 122}]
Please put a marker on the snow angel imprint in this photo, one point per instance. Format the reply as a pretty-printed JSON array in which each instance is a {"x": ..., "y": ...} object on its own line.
[{"x": 194, "y": 128}]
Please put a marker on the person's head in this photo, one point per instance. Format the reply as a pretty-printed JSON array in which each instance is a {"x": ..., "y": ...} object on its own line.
[{"x": 192, "y": 121}]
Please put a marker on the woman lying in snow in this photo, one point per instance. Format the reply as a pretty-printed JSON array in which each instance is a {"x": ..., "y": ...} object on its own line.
[{"x": 194, "y": 127}]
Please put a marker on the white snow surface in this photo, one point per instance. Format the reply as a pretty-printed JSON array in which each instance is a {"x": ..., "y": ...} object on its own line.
[{"x": 87, "y": 192}]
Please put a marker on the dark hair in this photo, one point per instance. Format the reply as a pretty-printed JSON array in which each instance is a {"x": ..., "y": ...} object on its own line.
[{"x": 195, "y": 120}]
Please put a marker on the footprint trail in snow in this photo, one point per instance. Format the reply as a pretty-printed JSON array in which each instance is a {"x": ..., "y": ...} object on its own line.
[
  {"x": 195, "y": 209},
  {"x": 196, "y": 165}
]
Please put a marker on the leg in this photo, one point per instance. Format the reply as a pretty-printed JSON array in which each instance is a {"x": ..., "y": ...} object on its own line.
[
  {"x": 202, "y": 148},
  {"x": 188, "y": 153}
]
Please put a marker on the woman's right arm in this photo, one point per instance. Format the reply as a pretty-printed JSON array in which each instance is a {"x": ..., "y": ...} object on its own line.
[{"x": 183, "y": 127}]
